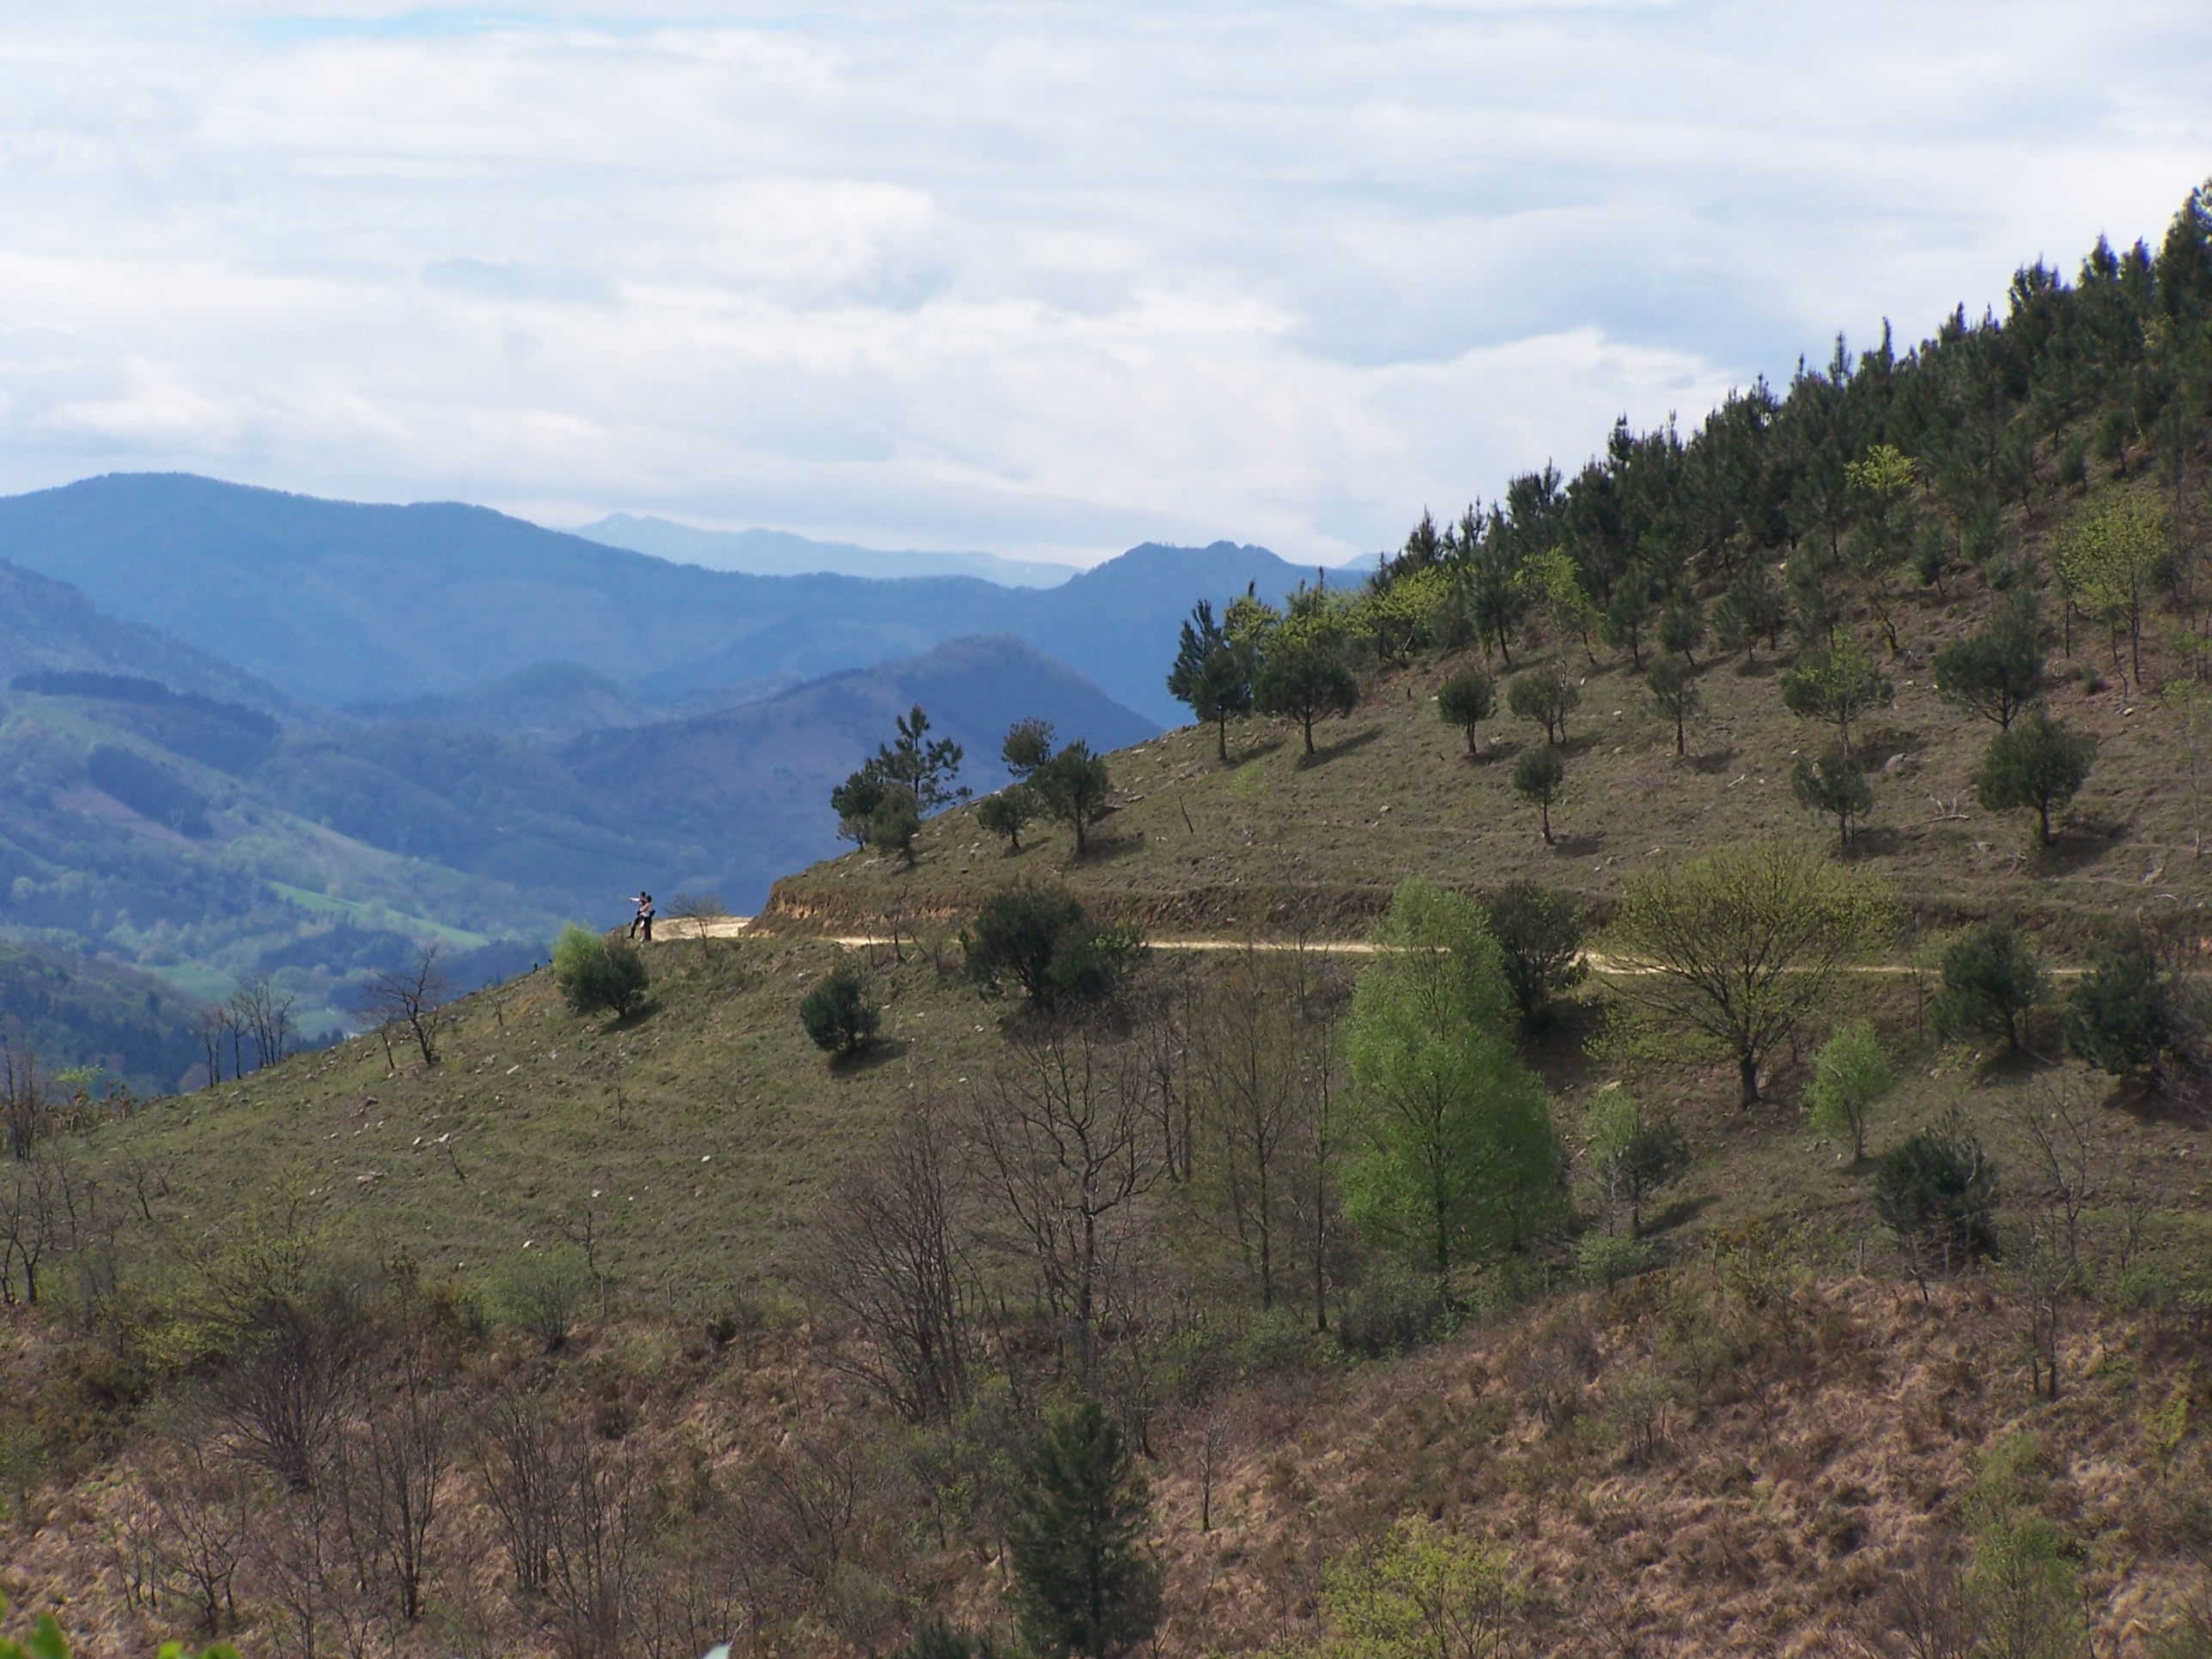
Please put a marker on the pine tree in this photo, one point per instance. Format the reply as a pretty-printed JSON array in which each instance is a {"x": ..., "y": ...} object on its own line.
[{"x": 1084, "y": 1583}]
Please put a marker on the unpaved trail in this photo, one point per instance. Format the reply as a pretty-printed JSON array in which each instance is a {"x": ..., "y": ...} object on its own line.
[{"x": 693, "y": 927}]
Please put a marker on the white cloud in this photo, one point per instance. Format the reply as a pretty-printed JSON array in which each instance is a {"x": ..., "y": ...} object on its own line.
[{"x": 1039, "y": 278}]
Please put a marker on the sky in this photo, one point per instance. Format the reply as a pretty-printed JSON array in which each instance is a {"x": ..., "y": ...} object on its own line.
[{"x": 1037, "y": 277}]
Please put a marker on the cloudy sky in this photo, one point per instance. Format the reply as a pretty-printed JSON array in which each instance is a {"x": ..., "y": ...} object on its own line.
[{"x": 1041, "y": 277}]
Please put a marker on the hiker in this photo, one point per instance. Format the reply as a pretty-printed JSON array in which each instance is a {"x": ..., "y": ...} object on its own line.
[{"x": 641, "y": 923}]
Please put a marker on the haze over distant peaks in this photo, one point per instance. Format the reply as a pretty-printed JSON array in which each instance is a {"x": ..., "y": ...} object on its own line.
[{"x": 779, "y": 553}]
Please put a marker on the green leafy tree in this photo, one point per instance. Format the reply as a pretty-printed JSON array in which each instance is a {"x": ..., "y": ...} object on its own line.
[
  {"x": 1043, "y": 942},
  {"x": 2038, "y": 763},
  {"x": 1465, "y": 700},
  {"x": 1674, "y": 693},
  {"x": 1996, "y": 673},
  {"x": 1456, "y": 1156},
  {"x": 2111, "y": 561},
  {"x": 1839, "y": 685},
  {"x": 1682, "y": 630},
  {"x": 597, "y": 974},
  {"x": 1755, "y": 607},
  {"x": 2121, "y": 1016},
  {"x": 1422, "y": 1592},
  {"x": 895, "y": 824},
  {"x": 1834, "y": 785},
  {"x": 1631, "y": 1154},
  {"x": 1074, "y": 787},
  {"x": 1551, "y": 579},
  {"x": 1027, "y": 745},
  {"x": 1992, "y": 980},
  {"x": 928, "y": 769},
  {"x": 1937, "y": 1193},
  {"x": 1739, "y": 946},
  {"x": 1627, "y": 614},
  {"x": 839, "y": 1015},
  {"x": 1084, "y": 1582},
  {"x": 856, "y": 801},
  {"x": 1306, "y": 680},
  {"x": 1212, "y": 674},
  {"x": 1546, "y": 696},
  {"x": 1007, "y": 812},
  {"x": 1850, "y": 1075},
  {"x": 1539, "y": 778},
  {"x": 1540, "y": 940}
]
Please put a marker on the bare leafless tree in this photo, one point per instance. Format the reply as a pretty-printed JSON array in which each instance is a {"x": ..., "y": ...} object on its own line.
[
  {"x": 24, "y": 1105},
  {"x": 397, "y": 1460},
  {"x": 892, "y": 1262},
  {"x": 1064, "y": 1130},
  {"x": 414, "y": 996},
  {"x": 599, "y": 1560},
  {"x": 207, "y": 1504},
  {"x": 259, "y": 1009},
  {"x": 519, "y": 1464}
]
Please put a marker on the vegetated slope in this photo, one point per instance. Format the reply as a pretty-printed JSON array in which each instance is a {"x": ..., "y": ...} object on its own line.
[
  {"x": 62, "y": 1011},
  {"x": 779, "y": 553},
  {"x": 743, "y": 788},
  {"x": 547, "y": 699},
  {"x": 48, "y": 625},
  {"x": 342, "y": 602},
  {"x": 1744, "y": 1455}
]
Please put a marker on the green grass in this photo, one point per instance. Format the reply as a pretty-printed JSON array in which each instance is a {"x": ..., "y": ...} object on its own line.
[{"x": 377, "y": 916}]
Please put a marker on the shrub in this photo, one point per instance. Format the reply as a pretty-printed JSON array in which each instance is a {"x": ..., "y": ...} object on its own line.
[
  {"x": 1991, "y": 980},
  {"x": 47, "y": 1642},
  {"x": 939, "y": 1640},
  {"x": 597, "y": 973},
  {"x": 1546, "y": 696},
  {"x": 1043, "y": 941},
  {"x": 1632, "y": 1156},
  {"x": 1465, "y": 700},
  {"x": 1539, "y": 776},
  {"x": 544, "y": 1293},
  {"x": 1850, "y": 1074},
  {"x": 1608, "y": 1258},
  {"x": 1073, "y": 789},
  {"x": 2121, "y": 1017},
  {"x": 2037, "y": 763},
  {"x": 838, "y": 1014},
  {"x": 1835, "y": 786},
  {"x": 1540, "y": 933},
  {"x": 1938, "y": 1195},
  {"x": 1007, "y": 812}
]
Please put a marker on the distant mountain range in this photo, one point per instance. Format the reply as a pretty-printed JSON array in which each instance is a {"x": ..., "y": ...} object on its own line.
[
  {"x": 779, "y": 553},
  {"x": 339, "y": 603},
  {"x": 246, "y": 733}
]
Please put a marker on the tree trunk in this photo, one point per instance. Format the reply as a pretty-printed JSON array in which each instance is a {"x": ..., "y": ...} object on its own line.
[
  {"x": 1221, "y": 736},
  {"x": 1746, "y": 1069}
]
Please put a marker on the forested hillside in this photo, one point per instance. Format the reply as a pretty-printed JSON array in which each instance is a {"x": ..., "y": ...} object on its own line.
[{"x": 1636, "y": 1085}]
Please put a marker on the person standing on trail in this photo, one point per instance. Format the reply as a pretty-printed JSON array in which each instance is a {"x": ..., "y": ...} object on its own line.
[{"x": 641, "y": 923}]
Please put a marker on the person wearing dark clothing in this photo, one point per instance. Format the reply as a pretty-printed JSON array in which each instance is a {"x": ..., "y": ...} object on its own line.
[{"x": 641, "y": 923}]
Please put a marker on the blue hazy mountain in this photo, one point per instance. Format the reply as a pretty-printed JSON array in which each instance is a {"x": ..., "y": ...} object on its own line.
[
  {"x": 779, "y": 553},
  {"x": 343, "y": 603}
]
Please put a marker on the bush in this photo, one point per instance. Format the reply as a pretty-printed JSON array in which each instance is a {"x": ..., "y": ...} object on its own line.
[
  {"x": 1043, "y": 941},
  {"x": 1465, "y": 700},
  {"x": 596, "y": 974},
  {"x": 1007, "y": 812},
  {"x": 544, "y": 1293},
  {"x": 1991, "y": 980},
  {"x": 2038, "y": 764},
  {"x": 1608, "y": 1258},
  {"x": 1850, "y": 1074},
  {"x": 1073, "y": 788},
  {"x": 2121, "y": 1017},
  {"x": 1546, "y": 696},
  {"x": 838, "y": 1014},
  {"x": 1938, "y": 1195},
  {"x": 1540, "y": 933}
]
